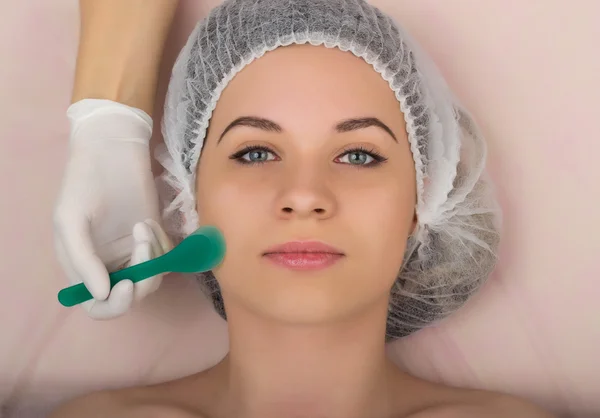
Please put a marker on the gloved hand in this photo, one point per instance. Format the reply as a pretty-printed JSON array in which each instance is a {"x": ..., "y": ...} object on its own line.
[{"x": 107, "y": 189}]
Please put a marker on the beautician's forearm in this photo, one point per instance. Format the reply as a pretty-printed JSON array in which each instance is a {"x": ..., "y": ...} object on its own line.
[{"x": 120, "y": 49}]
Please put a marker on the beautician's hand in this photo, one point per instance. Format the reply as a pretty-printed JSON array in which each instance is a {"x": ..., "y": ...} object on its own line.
[
  {"x": 107, "y": 189},
  {"x": 108, "y": 186}
]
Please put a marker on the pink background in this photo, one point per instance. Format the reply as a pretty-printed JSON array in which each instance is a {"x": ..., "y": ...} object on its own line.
[{"x": 529, "y": 71}]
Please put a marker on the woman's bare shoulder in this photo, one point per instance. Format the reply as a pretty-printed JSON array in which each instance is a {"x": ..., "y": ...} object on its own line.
[
  {"x": 484, "y": 405},
  {"x": 127, "y": 403}
]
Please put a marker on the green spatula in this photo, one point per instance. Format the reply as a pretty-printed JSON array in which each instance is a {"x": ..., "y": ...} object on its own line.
[{"x": 201, "y": 251}]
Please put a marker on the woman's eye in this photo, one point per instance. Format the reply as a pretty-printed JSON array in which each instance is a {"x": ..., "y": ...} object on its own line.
[
  {"x": 256, "y": 155},
  {"x": 356, "y": 158}
]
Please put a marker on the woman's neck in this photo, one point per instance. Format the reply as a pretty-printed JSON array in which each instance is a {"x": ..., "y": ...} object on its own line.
[{"x": 276, "y": 370}]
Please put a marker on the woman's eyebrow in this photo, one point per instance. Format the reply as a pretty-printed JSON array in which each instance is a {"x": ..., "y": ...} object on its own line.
[
  {"x": 253, "y": 122},
  {"x": 267, "y": 125},
  {"x": 363, "y": 123}
]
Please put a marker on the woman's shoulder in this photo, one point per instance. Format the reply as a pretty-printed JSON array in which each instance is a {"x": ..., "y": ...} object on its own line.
[
  {"x": 126, "y": 403},
  {"x": 475, "y": 404}
]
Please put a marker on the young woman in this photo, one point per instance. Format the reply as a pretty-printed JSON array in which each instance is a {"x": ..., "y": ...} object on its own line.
[{"x": 349, "y": 186}]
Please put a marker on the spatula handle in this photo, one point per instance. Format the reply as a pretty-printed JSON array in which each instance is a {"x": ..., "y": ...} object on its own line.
[{"x": 76, "y": 294}]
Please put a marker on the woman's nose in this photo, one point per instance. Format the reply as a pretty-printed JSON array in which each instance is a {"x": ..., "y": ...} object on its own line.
[{"x": 306, "y": 196}]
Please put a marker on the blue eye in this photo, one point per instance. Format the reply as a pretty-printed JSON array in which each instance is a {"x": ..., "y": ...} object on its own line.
[
  {"x": 357, "y": 158},
  {"x": 361, "y": 158},
  {"x": 254, "y": 155}
]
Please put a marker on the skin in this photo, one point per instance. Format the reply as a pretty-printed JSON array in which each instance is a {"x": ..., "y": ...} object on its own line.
[
  {"x": 306, "y": 344},
  {"x": 120, "y": 48}
]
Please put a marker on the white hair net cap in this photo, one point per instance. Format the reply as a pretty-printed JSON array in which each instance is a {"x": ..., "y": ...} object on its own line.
[{"x": 453, "y": 250}]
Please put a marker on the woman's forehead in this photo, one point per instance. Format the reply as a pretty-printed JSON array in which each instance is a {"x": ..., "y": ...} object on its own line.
[
  {"x": 311, "y": 67},
  {"x": 296, "y": 84}
]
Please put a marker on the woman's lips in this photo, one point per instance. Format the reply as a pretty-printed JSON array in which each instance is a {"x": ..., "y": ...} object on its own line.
[{"x": 303, "y": 255}]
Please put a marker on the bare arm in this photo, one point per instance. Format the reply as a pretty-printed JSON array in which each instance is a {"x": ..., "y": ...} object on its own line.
[{"x": 120, "y": 49}]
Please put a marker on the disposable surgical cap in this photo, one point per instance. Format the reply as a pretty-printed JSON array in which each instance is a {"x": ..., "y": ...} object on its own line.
[{"x": 453, "y": 249}]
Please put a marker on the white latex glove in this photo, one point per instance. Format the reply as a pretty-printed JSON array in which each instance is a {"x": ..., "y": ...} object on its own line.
[{"x": 108, "y": 187}]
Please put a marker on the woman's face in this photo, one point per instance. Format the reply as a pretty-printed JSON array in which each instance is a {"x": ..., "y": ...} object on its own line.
[{"x": 317, "y": 152}]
